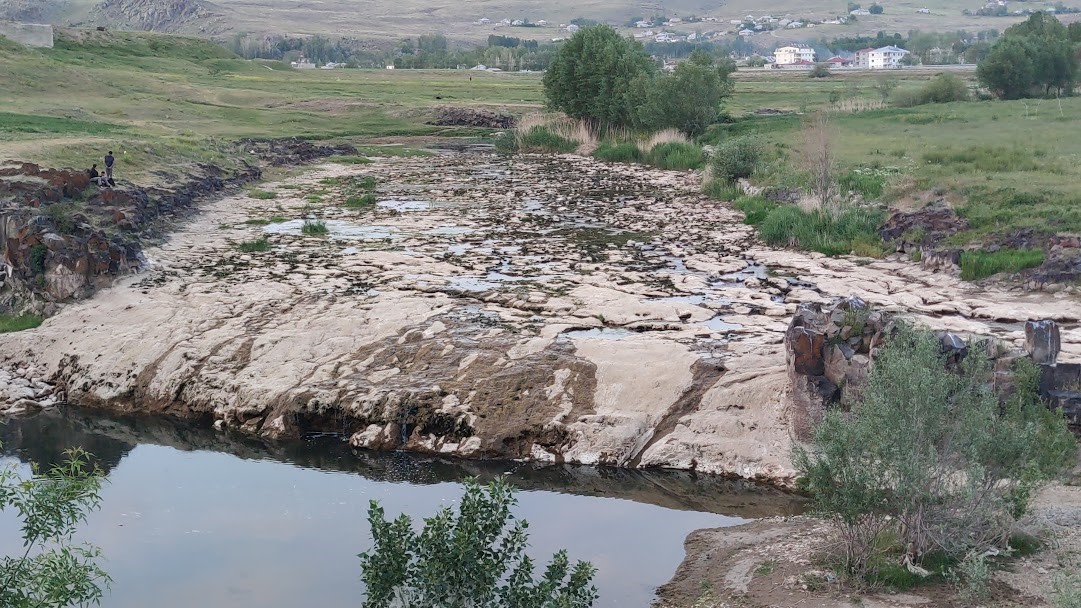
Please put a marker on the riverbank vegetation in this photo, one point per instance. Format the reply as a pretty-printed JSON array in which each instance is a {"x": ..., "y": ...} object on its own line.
[
  {"x": 931, "y": 471},
  {"x": 10, "y": 323},
  {"x": 50, "y": 571},
  {"x": 474, "y": 556}
]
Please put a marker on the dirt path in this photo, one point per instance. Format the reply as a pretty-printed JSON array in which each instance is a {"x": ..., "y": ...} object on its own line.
[
  {"x": 778, "y": 563},
  {"x": 544, "y": 308}
]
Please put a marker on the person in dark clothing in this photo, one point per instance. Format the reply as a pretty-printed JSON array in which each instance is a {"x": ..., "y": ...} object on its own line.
[
  {"x": 95, "y": 177},
  {"x": 109, "y": 160}
]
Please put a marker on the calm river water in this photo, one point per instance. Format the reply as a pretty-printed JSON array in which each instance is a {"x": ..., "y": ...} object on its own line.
[{"x": 192, "y": 517}]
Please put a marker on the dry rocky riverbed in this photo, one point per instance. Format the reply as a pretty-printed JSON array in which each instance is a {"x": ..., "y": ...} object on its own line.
[{"x": 532, "y": 307}]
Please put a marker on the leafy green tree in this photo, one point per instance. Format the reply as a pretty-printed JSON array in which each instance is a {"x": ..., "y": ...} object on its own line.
[
  {"x": 689, "y": 99},
  {"x": 51, "y": 572},
  {"x": 931, "y": 458},
  {"x": 595, "y": 76},
  {"x": 1009, "y": 69},
  {"x": 472, "y": 558},
  {"x": 1032, "y": 58}
]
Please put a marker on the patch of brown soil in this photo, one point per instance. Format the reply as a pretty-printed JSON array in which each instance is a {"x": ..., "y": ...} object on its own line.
[{"x": 776, "y": 563}]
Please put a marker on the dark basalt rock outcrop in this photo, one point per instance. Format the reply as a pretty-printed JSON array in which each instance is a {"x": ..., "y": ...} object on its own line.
[
  {"x": 830, "y": 352},
  {"x": 291, "y": 151},
  {"x": 470, "y": 117},
  {"x": 928, "y": 227},
  {"x": 62, "y": 238}
]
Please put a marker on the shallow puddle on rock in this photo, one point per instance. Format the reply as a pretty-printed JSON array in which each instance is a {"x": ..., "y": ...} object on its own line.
[
  {"x": 475, "y": 284},
  {"x": 336, "y": 229},
  {"x": 404, "y": 206},
  {"x": 752, "y": 271},
  {"x": 599, "y": 333}
]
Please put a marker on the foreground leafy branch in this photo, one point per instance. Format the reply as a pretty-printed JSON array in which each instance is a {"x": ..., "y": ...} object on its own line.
[
  {"x": 472, "y": 558},
  {"x": 50, "y": 572}
]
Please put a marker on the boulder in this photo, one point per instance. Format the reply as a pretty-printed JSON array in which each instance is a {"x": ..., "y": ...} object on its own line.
[{"x": 1042, "y": 341}]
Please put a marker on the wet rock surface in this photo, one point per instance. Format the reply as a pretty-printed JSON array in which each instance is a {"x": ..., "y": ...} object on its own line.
[{"x": 553, "y": 309}]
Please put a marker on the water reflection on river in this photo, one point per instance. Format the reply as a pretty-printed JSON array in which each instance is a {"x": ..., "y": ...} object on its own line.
[{"x": 191, "y": 517}]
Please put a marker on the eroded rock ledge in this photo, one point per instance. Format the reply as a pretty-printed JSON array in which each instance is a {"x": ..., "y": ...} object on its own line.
[{"x": 554, "y": 309}]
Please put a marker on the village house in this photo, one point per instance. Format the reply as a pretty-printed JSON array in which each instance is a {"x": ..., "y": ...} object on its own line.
[
  {"x": 792, "y": 54},
  {"x": 746, "y": 33},
  {"x": 887, "y": 57},
  {"x": 572, "y": 28},
  {"x": 484, "y": 21},
  {"x": 838, "y": 62}
]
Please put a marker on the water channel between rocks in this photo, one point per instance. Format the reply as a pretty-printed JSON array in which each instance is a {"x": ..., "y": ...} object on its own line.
[{"x": 193, "y": 517}]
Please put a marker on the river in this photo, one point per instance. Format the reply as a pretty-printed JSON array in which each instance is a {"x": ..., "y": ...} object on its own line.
[{"x": 194, "y": 517}]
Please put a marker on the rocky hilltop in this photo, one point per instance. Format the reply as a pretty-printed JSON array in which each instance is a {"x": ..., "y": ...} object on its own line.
[
  {"x": 172, "y": 16},
  {"x": 552, "y": 309}
]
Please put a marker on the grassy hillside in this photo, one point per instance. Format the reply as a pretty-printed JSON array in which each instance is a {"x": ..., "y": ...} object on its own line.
[
  {"x": 391, "y": 20},
  {"x": 164, "y": 101}
]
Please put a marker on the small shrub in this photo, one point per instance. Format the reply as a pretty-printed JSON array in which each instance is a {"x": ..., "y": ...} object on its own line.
[
  {"x": 821, "y": 231},
  {"x": 755, "y": 209},
  {"x": 676, "y": 156},
  {"x": 314, "y": 228},
  {"x": 542, "y": 139},
  {"x": 38, "y": 256},
  {"x": 359, "y": 202},
  {"x": 719, "y": 190},
  {"x": 62, "y": 216},
  {"x": 506, "y": 143},
  {"x": 255, "y": 221},
  {"x": 263, "y": 195},
  {"x": 361, "y": 182},
  {"x": 13, "y": 323},
  {"x": 973, "y": 577},
  {"x": 736, "y": 158},
  {"x": 821, "y": 70},
  {"x": 977, "y": 265},
  {"x": 255, "y": 246},
  {"x": 618, "y": 153}
]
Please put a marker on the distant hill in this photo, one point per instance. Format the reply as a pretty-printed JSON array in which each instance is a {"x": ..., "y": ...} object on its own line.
[{"x": 391, "y": 20}]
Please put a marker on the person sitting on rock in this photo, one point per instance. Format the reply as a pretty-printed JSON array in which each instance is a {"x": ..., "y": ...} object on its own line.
[{"x": 95, "y": 177}]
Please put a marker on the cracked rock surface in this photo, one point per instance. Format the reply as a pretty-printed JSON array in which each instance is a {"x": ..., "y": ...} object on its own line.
[{"x": 546, "y": 308}]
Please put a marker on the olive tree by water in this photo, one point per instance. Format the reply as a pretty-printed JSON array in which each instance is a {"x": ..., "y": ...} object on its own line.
[
  {"x": 932, "y": 462},
  {"x": 470, "y": 559},
  {"x": 51, "y": 572}
]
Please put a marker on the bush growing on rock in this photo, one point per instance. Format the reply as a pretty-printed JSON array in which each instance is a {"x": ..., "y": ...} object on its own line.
[
  {"x": 932, "y": 463},
  {"x": 475, "y": 557},
  {"x": 736, "y": 158},
  {"x": 677, "y": 156}
]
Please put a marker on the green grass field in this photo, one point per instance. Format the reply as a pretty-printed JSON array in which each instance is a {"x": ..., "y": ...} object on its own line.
[{"x": 167, "y": 103}]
